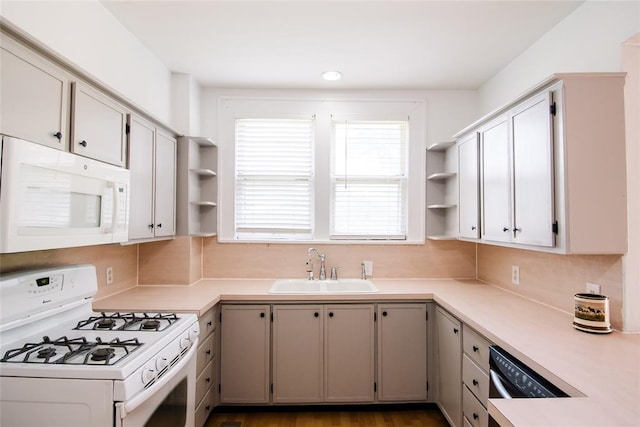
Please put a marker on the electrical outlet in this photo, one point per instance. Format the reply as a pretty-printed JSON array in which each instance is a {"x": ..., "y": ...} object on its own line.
[
  {"x": 368, "y": 268},
  {"x": 109, "y": 275},
  {"x": 592, "y": 288},
  {"x": 515, "y": 275}
]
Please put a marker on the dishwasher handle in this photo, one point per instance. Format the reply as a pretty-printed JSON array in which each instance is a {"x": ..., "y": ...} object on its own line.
[{"x": 497, "y": 382}]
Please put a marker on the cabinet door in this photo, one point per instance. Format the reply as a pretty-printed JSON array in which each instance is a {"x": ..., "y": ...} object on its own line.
[
  {"x": 533, "y": 172},
  {"x": 297, "y": 354},
  {"x": 244, "y": 370},
  {"x": 35, "y": 97},
  {"x": 496, "y": 181},
  {"x": 349, "y": 353},
  {"x": 449, "y": 366},
  {"x": 469, "y": 189},
  {"x": 402, "y": 352},
  {"x": 98, "y": 126},
  {"x": 141, "y": 142},
  {"x": 165, "y": 185}
]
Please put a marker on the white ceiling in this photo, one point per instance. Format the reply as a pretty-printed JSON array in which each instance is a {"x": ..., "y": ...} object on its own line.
[{"x": 375, "y": 44}]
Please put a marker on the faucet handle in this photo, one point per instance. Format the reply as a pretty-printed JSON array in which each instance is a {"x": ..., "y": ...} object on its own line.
[{"x": 334, "y": 273}]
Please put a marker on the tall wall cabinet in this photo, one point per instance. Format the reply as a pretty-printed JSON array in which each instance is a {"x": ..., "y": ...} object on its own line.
[{"x": 551, "y": 169}]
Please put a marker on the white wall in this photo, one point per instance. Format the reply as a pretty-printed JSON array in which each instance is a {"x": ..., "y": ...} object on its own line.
[
  {"x": 185, "y": 104},
  {"x": 587, "y": 40},
  {"x": 88, "y": 35}
]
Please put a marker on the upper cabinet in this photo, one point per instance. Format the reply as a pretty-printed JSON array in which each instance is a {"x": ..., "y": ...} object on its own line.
[
  {"x": 468, "y": 187},
  {"x": 152, "y": 161},
  {"x": 98, "y": 126},
  {"x": 197, "y": 186},
  {"x": 552, "y": 169},
  {"x": 35, "y": 97}
]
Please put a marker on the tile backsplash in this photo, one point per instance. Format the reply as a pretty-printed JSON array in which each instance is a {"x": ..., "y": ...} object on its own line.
[{"x": 554, "y": 279}]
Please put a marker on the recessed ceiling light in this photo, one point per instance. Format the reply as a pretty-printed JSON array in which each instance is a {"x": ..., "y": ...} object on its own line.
[{"x": 332, "y": 75}]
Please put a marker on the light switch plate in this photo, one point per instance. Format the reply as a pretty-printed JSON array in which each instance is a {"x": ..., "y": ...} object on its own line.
[{"x": 368, "y": 267}]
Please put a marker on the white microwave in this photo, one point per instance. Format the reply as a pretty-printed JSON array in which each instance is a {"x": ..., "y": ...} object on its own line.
[{"x": 53, "y": 199}]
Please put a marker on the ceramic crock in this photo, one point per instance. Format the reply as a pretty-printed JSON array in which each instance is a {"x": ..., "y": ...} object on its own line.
[{"x": 592, "y": 313}]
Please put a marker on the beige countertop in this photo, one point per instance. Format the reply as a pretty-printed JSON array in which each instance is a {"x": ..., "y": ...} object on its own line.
[{"x": 601, "y": 371}]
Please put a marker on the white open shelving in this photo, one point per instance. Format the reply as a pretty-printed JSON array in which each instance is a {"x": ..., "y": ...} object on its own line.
[{"x": 441, "y": 188}]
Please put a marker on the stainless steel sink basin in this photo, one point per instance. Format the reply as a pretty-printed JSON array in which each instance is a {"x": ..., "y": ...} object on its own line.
[{"x": 340, "y": 286}]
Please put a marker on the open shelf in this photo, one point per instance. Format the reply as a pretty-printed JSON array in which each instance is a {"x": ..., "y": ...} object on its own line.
[
  {"x": 441, "y": 146},
  {"x": 441, "y": 176},
  {"x": 442, "y": 237},
  {"x": 204, "y": 172}
]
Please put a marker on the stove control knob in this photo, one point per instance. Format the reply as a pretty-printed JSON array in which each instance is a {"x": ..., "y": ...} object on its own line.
[
  {"x": 185, "y": 342},
  {"x": 148, "y": 375},
  {"x": 193, "y": 335},
  {"x": 161, "y": 363}
]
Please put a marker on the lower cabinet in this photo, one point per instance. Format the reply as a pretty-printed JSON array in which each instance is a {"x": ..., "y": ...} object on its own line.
[
  {"x": 245, "y": 362},
  {"x": 207, "y": 366},
  {"x": 323, "y": 353},
  {"x": 402, "y": 352},
  {"x": 449, "y": 339},
  {"x": 475, "y": 378}
]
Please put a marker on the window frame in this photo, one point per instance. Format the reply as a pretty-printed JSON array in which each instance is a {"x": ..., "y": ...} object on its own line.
[{"x": 232, "y": 108}]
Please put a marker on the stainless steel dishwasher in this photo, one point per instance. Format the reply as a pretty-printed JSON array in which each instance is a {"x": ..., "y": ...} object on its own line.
[{"x": 512, "y": 379}]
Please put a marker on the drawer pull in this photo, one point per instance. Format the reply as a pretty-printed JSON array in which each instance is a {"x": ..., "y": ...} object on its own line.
[
  {"x": 208, "y": 380},
  {"x": 316, "y": 314},
  {"x": 475, "y": 416},
  {"x": 208, "y": 352},
  {"x": 455, "y": 330},
  {"x": 475, "y": 382},
  {"x": 209, "y": 323},
  {"x": 207, "y": 408},
  {"x": 475, "y": 349}
]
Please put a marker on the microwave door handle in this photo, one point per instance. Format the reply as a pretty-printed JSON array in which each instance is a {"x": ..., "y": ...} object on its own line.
[
  {"x": 116, "y": 204},
  {"x": 131, "y": 405},
  {"x": 495, "y": 379}
]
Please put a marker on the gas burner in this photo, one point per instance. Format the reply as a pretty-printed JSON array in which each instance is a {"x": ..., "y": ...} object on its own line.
[
  {"x": 128, "y": 322},
  {"x": 101, "y": 354},
  {"x": 76, "y": 351}
]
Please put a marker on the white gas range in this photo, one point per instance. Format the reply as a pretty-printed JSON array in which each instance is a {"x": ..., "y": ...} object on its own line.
[{"x": 61, "y": 364}]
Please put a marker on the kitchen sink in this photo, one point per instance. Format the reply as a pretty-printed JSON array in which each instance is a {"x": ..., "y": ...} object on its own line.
[{"x": 340, "y": 286}]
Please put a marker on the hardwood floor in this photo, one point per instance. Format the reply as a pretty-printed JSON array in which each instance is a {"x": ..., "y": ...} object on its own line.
[{"x": 428, "y": 416}]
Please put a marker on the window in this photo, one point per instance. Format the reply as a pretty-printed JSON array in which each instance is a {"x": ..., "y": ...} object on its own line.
[
  {"x": 309, "y": 169},
  {"x": 274, "y": 176},
  {"x": 369, "y": 180}
]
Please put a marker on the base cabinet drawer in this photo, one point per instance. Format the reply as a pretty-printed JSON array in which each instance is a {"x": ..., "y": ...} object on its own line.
[
  {"x": 476, "y": 347},
  {"x": 205, "y": 353},
  {"x": 204, "y": 381},
  {"x": 475, "y": 379},
  {"x": 204, "y": 409},
  {"x": 472, "y": 410}
]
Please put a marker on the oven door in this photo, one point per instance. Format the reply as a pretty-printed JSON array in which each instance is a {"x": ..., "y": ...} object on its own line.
[{"x": 168, "y": 402}]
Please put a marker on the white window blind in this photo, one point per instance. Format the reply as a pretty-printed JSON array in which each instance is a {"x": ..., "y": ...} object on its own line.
[
  {"x": 369, "y": 180},
  {"x": 274, "y": 171}
]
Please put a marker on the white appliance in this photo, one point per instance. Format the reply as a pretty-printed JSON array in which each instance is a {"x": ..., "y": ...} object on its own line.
[
  {"x": 54, "y": 199},
  {"x": 61, "y": 364}
]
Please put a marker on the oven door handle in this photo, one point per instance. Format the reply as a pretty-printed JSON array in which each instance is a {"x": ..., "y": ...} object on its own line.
[
  {"x": 497, "y": 381},
  {"x": 139, "y": 399}
]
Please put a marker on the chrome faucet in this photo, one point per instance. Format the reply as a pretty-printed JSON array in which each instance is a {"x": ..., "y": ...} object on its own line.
[{"x": 323, "y": 272}]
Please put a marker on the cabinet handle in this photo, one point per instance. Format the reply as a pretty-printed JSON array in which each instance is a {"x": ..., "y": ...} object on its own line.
[
  {"x": 515, "y": 229},
  {"x": 261, "y": 314},
  {"x": 316, "y": 314},
  {"x": 473, "y": 228},
  {"x": 209, "y": 323},
  {"x": 151, "y": 226},
  {"x": 207, "y": 408},
  {"x": 331, "y": 314},
  {"x": 455, "y": 330},
  {"x": 475, "y": 349},
  {"x": 505, "y": 229},
  {"x": 58, "y": 135},
  {"x": 475, "y": 416},
  {"x": 160, "y": 225},
  {"x": 208, "y": 352},
  {"x": 83, "y": 143},
  {"x": 475, "y": 382},
  {"x": 208, "y": 380},
  {"x": 384, "y": 313}
]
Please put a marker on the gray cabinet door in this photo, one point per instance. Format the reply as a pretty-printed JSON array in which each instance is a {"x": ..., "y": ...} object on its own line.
[
  {"x": 244, "y": 369},
  {"x": 298, "y": 344},
  {"x": 468, "y": 181},
  {"x": 35, "y": 97},
  {"x": 402, "y": 352},
  {"x": 349, "y": 353},
  {"x": 98, "y": 126},
  {"x": 141, "y": 143},
  {"x": 165, "y": 185},
  {"x": 449, "y": 340}
]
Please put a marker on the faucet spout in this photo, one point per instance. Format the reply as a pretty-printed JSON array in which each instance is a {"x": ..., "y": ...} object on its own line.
[{"x": 323, "y": 271}]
